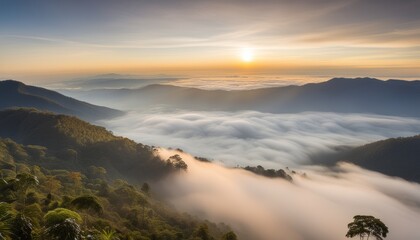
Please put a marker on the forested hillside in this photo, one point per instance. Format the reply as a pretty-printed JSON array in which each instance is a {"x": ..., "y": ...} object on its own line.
[
  {"x": 60, "y": 203},
  {"x": 395, "y": 157},
  {"x": 71, "y": 143},
  {"x": 63, "y": 178}
]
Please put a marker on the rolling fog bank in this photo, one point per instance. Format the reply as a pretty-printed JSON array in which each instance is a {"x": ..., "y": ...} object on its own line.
[
  {"x": 255, "y": 138},
  {"x": 316, "y": 206}
]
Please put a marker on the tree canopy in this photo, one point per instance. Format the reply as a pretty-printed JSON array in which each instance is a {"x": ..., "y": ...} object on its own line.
[{"x": 367, "y": 226}]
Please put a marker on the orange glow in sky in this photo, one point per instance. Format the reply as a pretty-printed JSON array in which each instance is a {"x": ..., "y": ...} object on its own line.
[{"x": 319, "y": 37}]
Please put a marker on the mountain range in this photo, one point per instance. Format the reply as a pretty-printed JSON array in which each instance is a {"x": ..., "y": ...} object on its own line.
[
  {"x": 113, "y": 80},
  {"x": 341, "y": 95},
  {"x": 17, "y": 94}
]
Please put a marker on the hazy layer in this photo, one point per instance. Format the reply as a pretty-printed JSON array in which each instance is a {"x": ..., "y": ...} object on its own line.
[
  {"x": 316, "y": 207},
  {"x": 242, "y": 82},
  {"x": 252, "y": 138},
  {"x": 234, "y": 81},
  {"x": 202, "y": 81}
]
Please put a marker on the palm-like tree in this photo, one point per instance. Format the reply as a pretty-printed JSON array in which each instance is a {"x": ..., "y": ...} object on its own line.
[
  {"x": 66, "y": 230},
  {"x": 21, "y": 228},
  {"x": 107, "y": 234},
  {"x": 367, "y": 226}
]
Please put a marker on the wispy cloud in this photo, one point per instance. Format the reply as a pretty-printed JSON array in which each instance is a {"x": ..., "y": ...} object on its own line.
[{"x": 210, "y": 32}]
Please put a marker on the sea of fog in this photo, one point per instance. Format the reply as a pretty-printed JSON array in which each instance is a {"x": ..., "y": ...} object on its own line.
[
  {"x": 211, "y": 81},
  {"x": 255, "y": 138},
  {"x": 317, "y": 205}
]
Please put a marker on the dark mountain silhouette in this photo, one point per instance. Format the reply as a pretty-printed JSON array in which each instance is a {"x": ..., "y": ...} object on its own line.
[
  {"x": 399, "y": 157},
  {"x": 395, "y": 157},
  {"x": 112, "y": 80},
  {"x": 342, "y": 95},
  {"x": 17, "y": 94}
]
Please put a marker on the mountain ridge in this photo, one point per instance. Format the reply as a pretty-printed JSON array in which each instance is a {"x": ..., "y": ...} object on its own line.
[
  {"x": 17, "y": 94},
  {"x": 398, "y": 157},
  {"x": 76, "y": 144},
  {"x": 341, "y": 95}
]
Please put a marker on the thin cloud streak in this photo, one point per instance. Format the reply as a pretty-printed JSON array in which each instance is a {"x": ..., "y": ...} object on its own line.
[{"x": 162, "y": 35}]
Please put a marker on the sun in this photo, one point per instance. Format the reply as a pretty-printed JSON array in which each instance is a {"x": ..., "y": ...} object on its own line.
[{"x": 247, "y": 54}]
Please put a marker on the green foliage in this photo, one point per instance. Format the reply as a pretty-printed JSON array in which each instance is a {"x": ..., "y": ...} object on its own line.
[
  {"x": 23, "y": 182},
  {"x": 87, "y": 203},
  {"x": 59, "y": 141},
  {"x": 5, "y": 221},
  {"x": 269, "y": 172},
  {"x": 96, "y": 172},
  {"x": 26, "y": 180},
  {"x": 202, "y": 233},
  {"x": 176, "y": 162},
  {"x": 393, "y": 157},
  {"x": 229, "y": 236},
  {"x": 21, "y": 228},
  {"x": 107, "y": 234},
  {"x": 366, "y": 226},
  {"x": 34, "y": 213},
  {"x": 128, "y": 210},
  {"x": 59, "y": 215},
  {"x": 68, "y": 229},
  {"x": 145, "y": 188},
  {"x": 71, "y": 168}
]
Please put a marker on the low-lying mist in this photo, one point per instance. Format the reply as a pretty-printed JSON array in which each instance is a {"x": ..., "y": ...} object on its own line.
[
  {"x": 255, "y": 138},
  {"x": 317, "y": 206}
]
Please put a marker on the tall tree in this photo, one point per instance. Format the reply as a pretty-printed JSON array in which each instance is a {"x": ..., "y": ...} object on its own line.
[
  {"x": 145, "y": 188},
  {"x": 23, "y": 182},
  {"x": 367, "y": 226}
]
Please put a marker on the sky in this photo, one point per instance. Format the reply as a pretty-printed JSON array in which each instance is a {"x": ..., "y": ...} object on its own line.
[{"x": 43, "y": 39}]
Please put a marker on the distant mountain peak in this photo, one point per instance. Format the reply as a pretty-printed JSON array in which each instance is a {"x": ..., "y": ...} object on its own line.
[
  {"x": 353, "y": 80},
  {"x": 9, "y": 86},
  {"x": 109, "y": 75},
  {"x": 11, "y": 82}
]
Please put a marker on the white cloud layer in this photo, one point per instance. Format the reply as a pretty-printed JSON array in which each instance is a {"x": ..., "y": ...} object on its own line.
[
  {"x": 252, "y": 138},
  {"x": 316, "y": 207}
]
